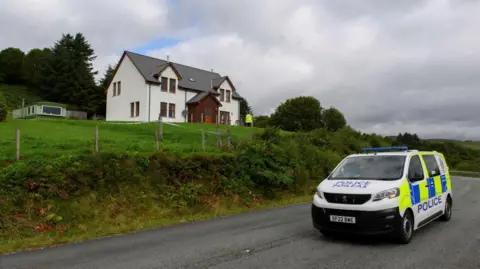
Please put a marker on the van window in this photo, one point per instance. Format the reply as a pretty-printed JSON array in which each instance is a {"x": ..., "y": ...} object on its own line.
[
  {"x": 432, "y": 165},
  {"x": 415, "y": 168},
  {"x": 378, "y": 167}
]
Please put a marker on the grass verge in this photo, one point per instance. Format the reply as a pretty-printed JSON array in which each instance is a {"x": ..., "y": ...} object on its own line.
[{"x": 112, "y": 223}]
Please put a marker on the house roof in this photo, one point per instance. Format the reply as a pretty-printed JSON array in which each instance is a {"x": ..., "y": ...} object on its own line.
[
  {"x": 200, "y": 96},
  {"x": 192, "y": 78}
]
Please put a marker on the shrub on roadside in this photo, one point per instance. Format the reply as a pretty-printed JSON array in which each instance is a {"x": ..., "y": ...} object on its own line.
[{"x": 3, "y": 109}]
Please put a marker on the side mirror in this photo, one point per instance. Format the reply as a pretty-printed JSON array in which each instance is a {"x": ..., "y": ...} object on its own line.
[{"x": 416, "y": 177}]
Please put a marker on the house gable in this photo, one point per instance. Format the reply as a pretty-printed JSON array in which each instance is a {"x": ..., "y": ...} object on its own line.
[
  {"x": 120, "y": 62},
  {"x": 167, "y": 68}
]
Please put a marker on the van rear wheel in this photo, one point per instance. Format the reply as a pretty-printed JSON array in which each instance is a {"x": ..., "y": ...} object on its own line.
[
  {"x": 405, "y": 230},
  {"x": 447, "y": 214}
]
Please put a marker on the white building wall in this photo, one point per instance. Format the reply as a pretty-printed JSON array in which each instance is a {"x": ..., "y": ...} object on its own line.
[
  {"x": 233, "y": 106},
  {"x": 133, "y": 89},
  {"x": 177, "y": 98}
]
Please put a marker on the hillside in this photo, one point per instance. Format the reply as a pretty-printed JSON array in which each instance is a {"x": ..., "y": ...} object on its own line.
[
  {"x": 52, "y": 138},
  {"x": 465, "y": 143},
  {"x": 14, "y": 94}
]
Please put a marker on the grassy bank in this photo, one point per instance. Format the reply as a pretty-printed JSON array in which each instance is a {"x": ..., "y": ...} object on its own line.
[
  {"x": 79, "y": 195},
  {"x": 53, "y": 138},
  {"x": 108, "y": 221},
  {"x": 15, "y": 94}
]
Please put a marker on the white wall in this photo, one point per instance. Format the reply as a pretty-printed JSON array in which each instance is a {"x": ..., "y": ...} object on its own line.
[
  {"x": 177, "y": 98},
  {"x": 233, "y": 106},
  {"x": 133, "y": 89}
]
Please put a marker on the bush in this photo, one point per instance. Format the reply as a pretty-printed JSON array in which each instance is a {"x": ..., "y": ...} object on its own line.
[{"x": 3, "y": 109}]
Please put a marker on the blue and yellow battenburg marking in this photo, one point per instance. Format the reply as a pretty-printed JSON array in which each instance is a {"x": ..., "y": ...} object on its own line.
[{"x": 426, "y": 194}]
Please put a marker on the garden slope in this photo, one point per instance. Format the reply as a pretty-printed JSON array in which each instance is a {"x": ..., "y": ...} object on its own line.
[{"x": 52, "y": 138}]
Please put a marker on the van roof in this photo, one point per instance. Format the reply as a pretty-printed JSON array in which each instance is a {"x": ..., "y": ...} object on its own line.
[{"x": 394, "y": 153}]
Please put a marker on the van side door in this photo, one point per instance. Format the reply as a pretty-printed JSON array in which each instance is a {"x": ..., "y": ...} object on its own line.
[
  {"x": 417, "y": 181},
  {"x": 434, "y": 181}
]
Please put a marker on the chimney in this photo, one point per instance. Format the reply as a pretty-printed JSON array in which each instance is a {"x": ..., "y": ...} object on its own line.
[
  {"x": 211, "y": 70},
  {"x": 168, "y": 58}
]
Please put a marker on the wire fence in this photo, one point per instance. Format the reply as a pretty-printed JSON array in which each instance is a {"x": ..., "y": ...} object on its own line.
[{"x": 53, "y": 138}]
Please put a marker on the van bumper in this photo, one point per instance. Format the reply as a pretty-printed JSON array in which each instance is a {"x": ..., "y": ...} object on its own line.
[{"x": 366, "y": 222}]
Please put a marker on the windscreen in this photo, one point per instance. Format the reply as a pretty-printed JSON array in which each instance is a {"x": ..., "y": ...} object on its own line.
[{"x": 376, "y": 167}]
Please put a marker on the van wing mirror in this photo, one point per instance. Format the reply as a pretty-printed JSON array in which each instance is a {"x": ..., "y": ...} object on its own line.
[{"x": 416, "y": 177}]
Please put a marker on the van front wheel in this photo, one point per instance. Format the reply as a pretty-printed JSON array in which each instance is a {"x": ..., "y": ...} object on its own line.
[{"x": 405, "y": 231}]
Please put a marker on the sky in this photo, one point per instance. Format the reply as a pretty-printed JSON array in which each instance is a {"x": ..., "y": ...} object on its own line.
[{"x": 389, "y": 66}]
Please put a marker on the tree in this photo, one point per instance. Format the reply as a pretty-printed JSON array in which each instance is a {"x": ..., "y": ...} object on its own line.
[
  {"x": 33, "y": 66},
  {"x": 298, "y": 114},
  {"x": 333, "y": 119},
  {"x": 261, "y": 121},
  {"x": 107, "y": 77},
  {"x": 3, "y": 108},
  {"x": 100, "y": 98},
  {"x": 11, "y": 61},
  {"x": 69, "y": 76},
  {"x": 245, "y": 108}
]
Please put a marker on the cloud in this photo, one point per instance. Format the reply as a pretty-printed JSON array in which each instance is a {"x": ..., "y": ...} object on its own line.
[{"x": 390, "y": 66}]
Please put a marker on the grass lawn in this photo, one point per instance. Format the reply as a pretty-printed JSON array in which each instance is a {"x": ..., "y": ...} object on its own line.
[{"x": 49, "y": 138}]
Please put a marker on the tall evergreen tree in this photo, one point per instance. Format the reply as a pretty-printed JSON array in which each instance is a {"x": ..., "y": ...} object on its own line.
[{"x": 69, "y": 76}]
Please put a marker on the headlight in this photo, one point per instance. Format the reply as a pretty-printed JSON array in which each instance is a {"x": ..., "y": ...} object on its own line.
[
  {"x": 390, "y": 194},
  {"x": 320, "y": 194}
]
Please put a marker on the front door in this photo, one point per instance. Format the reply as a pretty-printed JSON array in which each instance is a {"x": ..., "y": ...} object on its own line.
[
  {"x": 418, "y": 189},
  {"x": 208, "y": 115}
]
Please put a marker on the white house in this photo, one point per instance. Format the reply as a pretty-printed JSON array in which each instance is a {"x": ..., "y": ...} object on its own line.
[{"x": 144, "y": 87}]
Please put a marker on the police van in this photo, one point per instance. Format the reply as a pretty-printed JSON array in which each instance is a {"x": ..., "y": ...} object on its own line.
[{"x": 391, "y": 190}]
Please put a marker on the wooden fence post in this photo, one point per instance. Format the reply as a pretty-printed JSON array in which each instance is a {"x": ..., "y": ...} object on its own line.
[
  {"x": 203, "y": 140},
  {"x": 160, "y": 128},
  {"x": 156, "y": 140},
  {"x": 96, "y": 138},
  {"x": 17, "y": 140},
  {"x": 219, "y": 138},
  {"x": 229, "y": 139}
]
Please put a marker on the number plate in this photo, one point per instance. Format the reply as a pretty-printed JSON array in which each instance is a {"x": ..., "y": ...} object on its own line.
[{"x": 342, "y": 219}]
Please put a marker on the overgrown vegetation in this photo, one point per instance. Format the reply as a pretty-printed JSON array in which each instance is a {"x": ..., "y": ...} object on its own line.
[
  {"x": 3, "y": 109},
  {"x": 76, "y": 197}
]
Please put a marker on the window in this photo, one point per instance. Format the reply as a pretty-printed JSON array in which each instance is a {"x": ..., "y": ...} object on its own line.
[
  {"x": 222, "y": 95},
  {"x": 171, "y": 110},
  {"x": 379, "y": 167},
  {"x": 173, "y": 85},
  {"x": 134, "y": 109},
  {"x": 114, "y": 89},
  {"x": 163, "y": 109},
  {"x": 432, "y": 165},
  {"x": 52, "y": 110},
  {"x": 228, "y": 96},
  {"x": 119, "y": 89},
  {"x": 415, "y": 169},
  {"x": 164, "y": 84}
]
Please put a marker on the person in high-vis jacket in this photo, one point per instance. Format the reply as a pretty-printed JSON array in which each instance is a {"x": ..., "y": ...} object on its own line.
[{"x": 249, "y": 120}]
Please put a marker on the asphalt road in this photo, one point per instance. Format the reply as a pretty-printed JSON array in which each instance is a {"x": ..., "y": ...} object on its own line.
[{"x": 280, "y": 238}]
